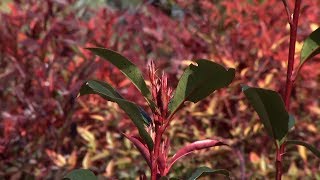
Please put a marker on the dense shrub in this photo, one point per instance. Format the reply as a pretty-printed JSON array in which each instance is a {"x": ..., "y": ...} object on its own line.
[{"x": 42, "y": 64}]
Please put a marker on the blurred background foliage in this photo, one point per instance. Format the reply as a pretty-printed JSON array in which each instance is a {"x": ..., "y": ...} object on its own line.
[{"x": 45, "y": 132}]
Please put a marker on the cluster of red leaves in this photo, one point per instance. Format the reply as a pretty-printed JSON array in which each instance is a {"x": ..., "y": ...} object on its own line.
[{"x": 42, "y": 64}]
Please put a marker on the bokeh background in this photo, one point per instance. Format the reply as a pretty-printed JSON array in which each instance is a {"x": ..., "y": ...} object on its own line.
[{"x": 45, "y": 131}]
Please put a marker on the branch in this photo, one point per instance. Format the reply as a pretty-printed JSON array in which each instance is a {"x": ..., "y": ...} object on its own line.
[
  {"x": 286, "y": 6},
  {"x": 292, "y": 46}
]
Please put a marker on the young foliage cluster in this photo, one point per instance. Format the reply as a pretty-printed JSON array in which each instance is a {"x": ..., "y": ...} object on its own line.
[
  {"x": 41, "y": 68},
  {"x": 197, "y": 82}
]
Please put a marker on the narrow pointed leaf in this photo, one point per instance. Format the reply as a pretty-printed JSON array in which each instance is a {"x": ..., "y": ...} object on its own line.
[
  {"x": 142, "y": 149},
  {"x": 85, "y": 89},
  {"x": 204, "y": 171},
  {"x": 80, "y": 174},
  {"x": 311, "y": 46},
  {"x": 199, "y": 81},
  {"x": 310, "y": 147},
  {"x": 271, "y": 110},
  {"x": 198, "y": 145},
  {"x": 107, "y": 92},
  {"x": 128, "y": 69}
]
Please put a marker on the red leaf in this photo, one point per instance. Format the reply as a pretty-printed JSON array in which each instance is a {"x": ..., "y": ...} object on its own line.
[
  {"x": 141, "y": 147},
  {"x": 198, "y": 145}
]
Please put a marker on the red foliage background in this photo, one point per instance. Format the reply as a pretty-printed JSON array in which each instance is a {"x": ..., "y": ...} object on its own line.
[{"x": 44, "y": 132}]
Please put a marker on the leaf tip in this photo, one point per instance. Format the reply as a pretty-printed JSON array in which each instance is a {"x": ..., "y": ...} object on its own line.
[{"x": 232, "y": 70}]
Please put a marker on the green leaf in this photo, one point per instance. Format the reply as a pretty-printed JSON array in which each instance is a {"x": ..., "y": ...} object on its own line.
[
  {"x": 199, "y": 81},
  {"x": 311, "y": 46},
  {"x": 107, "y": 92},
  {"x": 80, "y": 174},
  {"x": 310, "y": 147},
  {"x": 271, "y": 110},
  {"x": 128, "y": 69},
  {"x": 204, "y": 171}
]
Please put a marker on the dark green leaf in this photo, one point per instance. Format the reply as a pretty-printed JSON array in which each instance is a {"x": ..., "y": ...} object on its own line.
[
  {"x": 204, "y": 171},
  {"x": 311, "y": 46},
  {"x": 107, "y": 92},
  {"x": 128, "y": 69},
  {"x": 313, "y": 149},
  {"x": 80, "y": 174},
  {"x": 271, "y": 110},
  {"x": 199, "y": 81}
]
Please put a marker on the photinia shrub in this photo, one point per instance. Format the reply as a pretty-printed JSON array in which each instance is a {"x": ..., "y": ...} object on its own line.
[
  {"x": 197, "y": 82},
  {"x": 272, "y": 109}
]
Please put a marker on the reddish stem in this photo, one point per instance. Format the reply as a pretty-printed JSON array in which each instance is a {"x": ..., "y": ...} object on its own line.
[
  {"x": 156, "y": 151},
  {"x": 292, "y": 46},
  {"x": 280, "y": 151},
  {"x": 289, "y": 81}
]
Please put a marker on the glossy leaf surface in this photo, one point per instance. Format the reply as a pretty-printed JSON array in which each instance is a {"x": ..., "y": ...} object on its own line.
[
  {"x": 199, "y": 81},
  {"x": 128, "y": 69},
  {"x": 271, "y": 110}
]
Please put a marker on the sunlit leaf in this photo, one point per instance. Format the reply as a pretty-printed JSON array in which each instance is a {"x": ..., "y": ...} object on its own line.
[
  {"x": 199, "y": 81},
  {"x": 128, "y": 69},
  {"x": 109, "y": 171},
  {"x": 97, "y": 117},
  {"x": 80, "y": 174},
  {"x": 254, "y": 157},
  {"x": 271, "y": 110},
  {"x": 57, "y": 158},
  {"x": 293, "y": 170},
  {"x": 311, "y": 46},
  {"x": 107, "y": 92},
  {"x": 86, "y": 162},
  {"x": 100, "y": 155},
  {"x": 303, "y": 153},
  {"x": 310, "y": 147},
  {"x": 72, "y": 160},
  {"x": 204, "y": 171},
  {"x": 88, "y": 136}
]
